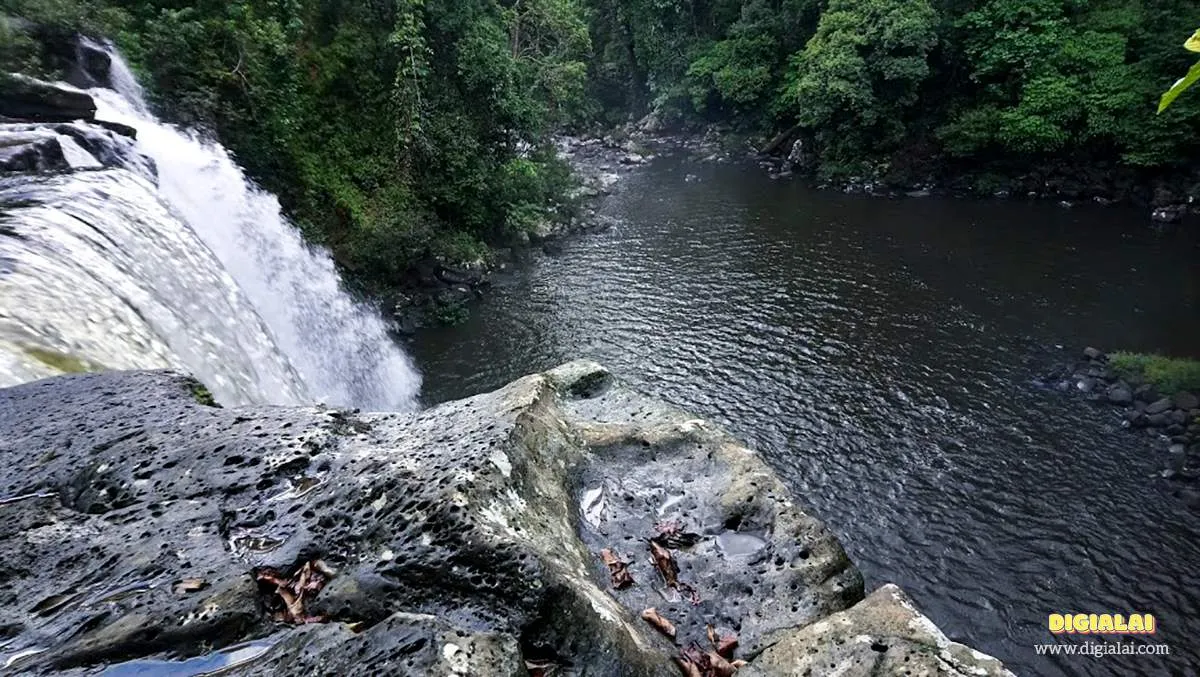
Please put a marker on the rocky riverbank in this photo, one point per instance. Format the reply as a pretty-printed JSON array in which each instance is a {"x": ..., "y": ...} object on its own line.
[
  {"x": 1173, "y": 417},
  {"x": 436, "y": 291},
  {"x": 1168, "y": 199},
  {"x": 563, "y": 524}
]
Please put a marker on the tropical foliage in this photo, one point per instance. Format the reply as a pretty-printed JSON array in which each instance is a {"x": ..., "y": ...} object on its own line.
[
  {"x": 392, "y": 129},
  {"x": 1193, "y": 74},
  {"x": 1004, "y": 86}
]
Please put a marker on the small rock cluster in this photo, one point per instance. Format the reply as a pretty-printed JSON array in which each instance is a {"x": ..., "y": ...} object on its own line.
[
  {"x": 52, "y": 127},
  {"x": 1175, "y": 416}
]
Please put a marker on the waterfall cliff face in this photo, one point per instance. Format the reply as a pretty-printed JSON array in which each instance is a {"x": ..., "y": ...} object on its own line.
[{"x": 160, "y": 253}]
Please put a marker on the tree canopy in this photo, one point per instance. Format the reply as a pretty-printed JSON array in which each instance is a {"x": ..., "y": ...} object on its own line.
[{"x": 392, "y": 129}]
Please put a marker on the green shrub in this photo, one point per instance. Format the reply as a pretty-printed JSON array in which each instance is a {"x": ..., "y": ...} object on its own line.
[{"x": 1169, "y": 374}]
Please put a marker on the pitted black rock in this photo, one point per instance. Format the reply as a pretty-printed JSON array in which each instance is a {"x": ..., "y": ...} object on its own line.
[{"x": 464, "y": 539}]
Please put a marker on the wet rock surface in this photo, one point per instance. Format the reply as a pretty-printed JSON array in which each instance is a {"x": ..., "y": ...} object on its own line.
[
  {"x": 23, "y": 97},
  {"x": 144, "y": 529}
]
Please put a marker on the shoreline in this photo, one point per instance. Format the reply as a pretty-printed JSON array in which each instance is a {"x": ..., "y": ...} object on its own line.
[
  {"x": 438, "y": 293},
  {"x": 1169, "y": 201},
  {"x": 1171, "y": 415}
]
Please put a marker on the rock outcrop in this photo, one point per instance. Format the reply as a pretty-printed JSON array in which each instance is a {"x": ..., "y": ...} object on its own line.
[
  {"x": 26, "y": 98},
  {"x": 141, "y": 527}
]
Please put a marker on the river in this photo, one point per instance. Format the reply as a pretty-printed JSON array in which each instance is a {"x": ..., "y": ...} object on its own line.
[{"x": 882, "y": 356}]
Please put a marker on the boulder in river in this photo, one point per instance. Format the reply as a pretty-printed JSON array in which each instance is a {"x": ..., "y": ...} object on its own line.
[
  {"x": 1159, "y": 406},
  {"x": 23, "y": 97},
  {"x": 1187, "y": 401},
  {"x": 1120, "y": 394},
  {"x": 1146, "y": 393},
  {"x": 528, "y": 528}
]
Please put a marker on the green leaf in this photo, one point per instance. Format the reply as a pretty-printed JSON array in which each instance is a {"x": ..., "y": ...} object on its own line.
[
  {"x": 1178, "y": 88},
  {"x": 1193, "y": 43}
]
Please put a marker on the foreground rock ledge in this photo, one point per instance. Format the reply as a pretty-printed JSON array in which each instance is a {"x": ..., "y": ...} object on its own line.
[{"x": 463, "y": 540}]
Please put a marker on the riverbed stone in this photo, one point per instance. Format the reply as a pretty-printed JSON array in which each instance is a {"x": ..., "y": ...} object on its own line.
[
  {"x": 1159, "y": 406},
  {"x": 139, "y": 525},
  {"x": 1136, "y": 419},
  {"x": 1093, "y": 353},
  {"x": 1120, "y": 394},
  {"x": 1146, "y": 393},
  {"x": 1187, "y": 401}
]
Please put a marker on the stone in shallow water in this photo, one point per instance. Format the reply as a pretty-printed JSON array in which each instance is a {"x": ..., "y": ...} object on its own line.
[
  {"x": 1159, "y": 406},
  {"x": 1187, "y": 401},
  {"x": 458, "y": 537},
  {"x": 1120, "y": 395}
]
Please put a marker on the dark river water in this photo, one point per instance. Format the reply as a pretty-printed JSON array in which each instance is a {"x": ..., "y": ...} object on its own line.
[{"x": 881, "y": 355}]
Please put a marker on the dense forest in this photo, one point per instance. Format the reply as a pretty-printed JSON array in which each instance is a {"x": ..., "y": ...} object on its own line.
[{"x": 395, "y": 129}]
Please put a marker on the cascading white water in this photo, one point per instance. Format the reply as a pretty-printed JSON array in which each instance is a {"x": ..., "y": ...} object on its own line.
[
  {"x": 187, "y": 310},
  {"x": 97, "y": 273}
]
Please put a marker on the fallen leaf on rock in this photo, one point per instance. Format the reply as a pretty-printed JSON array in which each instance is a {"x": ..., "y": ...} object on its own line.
[
  {"x": 618, "y": 569},
  {"x": 720, "y": 666},
  {"x": 672, "y": 535},
  {"x": 695, "y": 662},
  {"x": 688, "y": 668},
  {"x": 190, "y": 585},
  {"x": 726, "y": 645},
  {"x": 665, "y": 564},
  {"x": 659, "y": 622},
  {"x": 290, "y": 593}
]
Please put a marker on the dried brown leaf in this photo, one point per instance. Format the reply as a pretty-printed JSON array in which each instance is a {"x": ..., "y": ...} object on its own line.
[
  {"x": 659, "y": 622},
  {"x": 688, "y": 668},
  {"x": 292, "y": 593},
  {"x": 720, "y": 667},
  {"x": 694, "y": 661},
  {"x": 665, "y": 564},
  {"x": 727, "y": 645},
  {"x": 618, "y": 569},
  {"x": 670, "y": 533}
]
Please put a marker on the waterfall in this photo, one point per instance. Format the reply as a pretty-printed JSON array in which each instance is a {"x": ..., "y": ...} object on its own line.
[{"x": 199, "y": 272}]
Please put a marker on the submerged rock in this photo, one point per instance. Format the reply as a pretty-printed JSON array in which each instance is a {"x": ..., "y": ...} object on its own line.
[{"x": 141, "y": 526}]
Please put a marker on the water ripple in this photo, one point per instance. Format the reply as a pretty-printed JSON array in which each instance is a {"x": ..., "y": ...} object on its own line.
[{"x": 876, "y": 353}]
